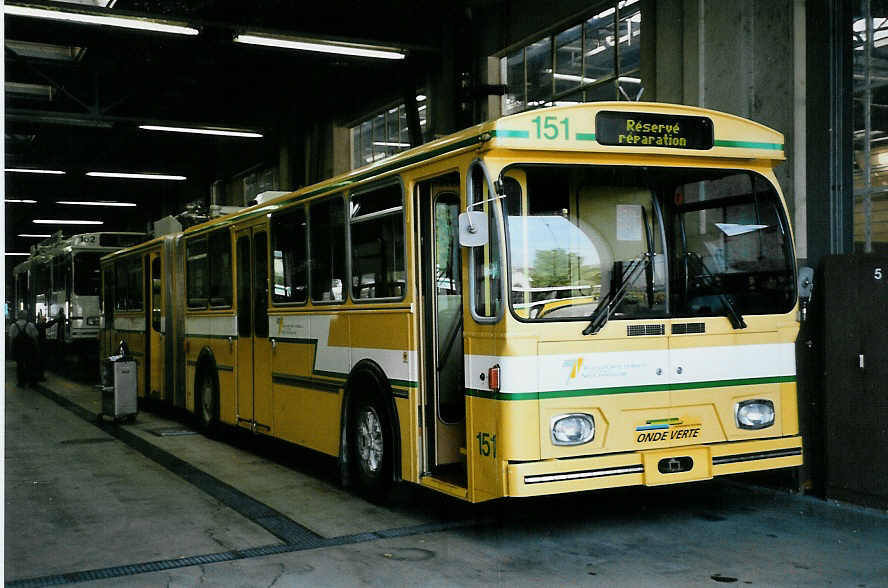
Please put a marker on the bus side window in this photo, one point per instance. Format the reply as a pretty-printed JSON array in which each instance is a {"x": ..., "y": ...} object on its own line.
[
  {"x": 377, "y": 243},
  {"x": 288, "y": 256},
  {"x": 196, "y": 272},
  {"x": 486, "y": 270},
  {"x": 120, "y": 285},
  {"x": 134, "y": 285},
  {"x": 326, "y": 233},
  {"x": 219, "y": 279}
]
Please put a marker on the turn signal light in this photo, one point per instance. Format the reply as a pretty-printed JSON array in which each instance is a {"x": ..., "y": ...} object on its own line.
[{"x": 493, "y": 378}]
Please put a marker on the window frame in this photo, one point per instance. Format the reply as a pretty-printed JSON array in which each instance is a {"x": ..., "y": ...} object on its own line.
[
  {"x": 551, "y": 34},
  {"x": 398, "y": 181},
  {"x": 212, "y": 266},
  {"x": 500, "y": 244},
  {"x": 356, "y": 146},
  {"x": 206, "y": 299},
  {"x": 307, "y": 246},
  {"x": 346, "y": 256}
]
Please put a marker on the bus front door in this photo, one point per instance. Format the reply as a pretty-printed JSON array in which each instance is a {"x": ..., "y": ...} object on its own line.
[
  {"x": 254, "y": 402},
  {"x": 444, "y": 365}
]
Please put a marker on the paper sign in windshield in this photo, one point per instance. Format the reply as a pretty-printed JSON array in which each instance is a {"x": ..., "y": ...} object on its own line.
[{"x": 732, "y": 230}]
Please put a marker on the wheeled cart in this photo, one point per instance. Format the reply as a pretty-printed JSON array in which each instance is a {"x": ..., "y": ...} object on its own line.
[{"x": 119, "y": 385}]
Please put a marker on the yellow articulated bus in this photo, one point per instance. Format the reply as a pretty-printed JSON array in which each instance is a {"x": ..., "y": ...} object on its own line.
[{"x": 566, "y": 299}]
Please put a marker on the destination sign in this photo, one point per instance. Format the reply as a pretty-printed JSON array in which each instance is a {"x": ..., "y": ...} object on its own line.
[{"x": 637, "y": 129}]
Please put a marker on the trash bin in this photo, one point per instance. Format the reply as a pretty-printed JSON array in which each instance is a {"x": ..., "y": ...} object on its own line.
[{"x": 119, "y": 386}]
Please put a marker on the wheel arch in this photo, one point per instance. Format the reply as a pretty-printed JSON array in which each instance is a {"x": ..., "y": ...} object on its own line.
[
  {"x": 205, "y": 364},
  {"x": 368, "y": 371}
]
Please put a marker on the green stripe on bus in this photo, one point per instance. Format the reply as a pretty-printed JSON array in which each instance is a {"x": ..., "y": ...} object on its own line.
[
  {"x": 302, "y": 382},
  {"x": 627, "y": 389},
  {"x": 510, "y": 134},
  {"x": 585, "y": 136},
  {"x": 748, "y": 145}
]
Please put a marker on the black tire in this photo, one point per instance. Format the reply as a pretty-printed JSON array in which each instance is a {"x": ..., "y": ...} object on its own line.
[
  {"x": 370, "y": 449},
  {"x": 206, "y": 393}
]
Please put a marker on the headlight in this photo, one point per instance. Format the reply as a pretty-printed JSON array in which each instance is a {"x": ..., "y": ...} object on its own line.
[
  {"x": 92, "y": 321},
  {"x": 754, "y": 414},
  {"x": 572, "y": 429}
]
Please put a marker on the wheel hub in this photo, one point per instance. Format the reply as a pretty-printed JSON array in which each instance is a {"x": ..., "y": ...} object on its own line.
[{"x": 369, "y": 440}]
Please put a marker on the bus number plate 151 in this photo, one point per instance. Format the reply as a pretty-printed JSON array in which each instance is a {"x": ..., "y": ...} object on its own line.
[{"x": 486, "y": 444}]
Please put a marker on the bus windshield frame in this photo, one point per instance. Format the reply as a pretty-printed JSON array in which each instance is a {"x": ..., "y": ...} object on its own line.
[{"x": 644, "y": 242}]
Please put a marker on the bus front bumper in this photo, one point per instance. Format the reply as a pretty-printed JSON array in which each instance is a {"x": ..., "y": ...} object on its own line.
[{"x": 652, "y": 467}]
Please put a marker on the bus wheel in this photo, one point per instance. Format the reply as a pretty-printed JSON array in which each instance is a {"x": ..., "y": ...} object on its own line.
[
  {"x": 208, "y": 402},
  {"x": 371, "y": 449}
]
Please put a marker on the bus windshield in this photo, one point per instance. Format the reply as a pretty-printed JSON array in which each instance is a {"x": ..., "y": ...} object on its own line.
[
  {"x": 87, "y": 279},
  {"x": 645, "y": 242}
]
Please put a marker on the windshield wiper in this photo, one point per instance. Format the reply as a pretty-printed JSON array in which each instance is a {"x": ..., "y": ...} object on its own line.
[
  {"x": 732, "y": 313},
  {"x": 614, "y": 297}
]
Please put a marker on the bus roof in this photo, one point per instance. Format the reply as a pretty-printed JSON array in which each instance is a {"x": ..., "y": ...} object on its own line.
[{"x": 651, "y": 128}]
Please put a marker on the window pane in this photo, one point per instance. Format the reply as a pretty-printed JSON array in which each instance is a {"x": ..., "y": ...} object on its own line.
[
  {"x": 377, "y": 242},
  {"x": 134, "y": 285},
  {"x": 366, "y": 142},
  {"x": 599, "y": 45},
  {"x": 514, "y": 78},
  {"x": 403, "y": 129},
  {"x": 568, "y": 59},
  {"x": 539, "y": 72},
  {"x": 288, "y": 254},
  {"x": 86, "y": 274},
  {"x": 220, "y": 268},
  {"x": 486, "y": 271},
  {"x": 577, "y": 237},
  {"x": 196, "y": 271},
  {"x": 379, "y": 137},
  {"x": 601, "y": 92},
  {"x": 630, "y": 36},
  {"x": 870, "y": 189},
  {"x": 120, "y": 285},
  {"x": 737, "y": 247},
  {"x": 392, "y": 136},
  {"x": 327, "y": 239},
  {"x": 356, "y": 146}
]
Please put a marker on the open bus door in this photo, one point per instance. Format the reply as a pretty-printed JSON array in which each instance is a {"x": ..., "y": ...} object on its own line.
[{"x": 444, "y": 399}]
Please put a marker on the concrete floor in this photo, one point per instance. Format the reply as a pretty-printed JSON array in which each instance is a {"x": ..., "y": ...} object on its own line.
[{"x": 119, "y": 505}]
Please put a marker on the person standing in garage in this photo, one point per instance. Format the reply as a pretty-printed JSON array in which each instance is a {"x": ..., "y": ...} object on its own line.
[{"x": 23, "y": 341}]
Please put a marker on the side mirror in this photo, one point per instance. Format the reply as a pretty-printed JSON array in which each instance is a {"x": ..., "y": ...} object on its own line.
[
  {"x": 806, "y": 282},
  {"x": 473, "y": 228},
  {"x": 806, "y": 289}
]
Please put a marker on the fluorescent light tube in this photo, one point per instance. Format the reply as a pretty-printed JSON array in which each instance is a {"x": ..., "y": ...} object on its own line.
[
  {"x": 202, "y": 131},
  {"x": 19, "y": 201},
  {"x": 353, "y": 49},
  {"x": 141, "y": 24},
  {"x": 93, "y": 203},
  {"x": 11, "y": 253},
  {"x": 135, "y": 176},
  {"x": 34, "y": 171},
  {"x": 42, "y": 221},
  {"x": 33, "y": 236}
]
